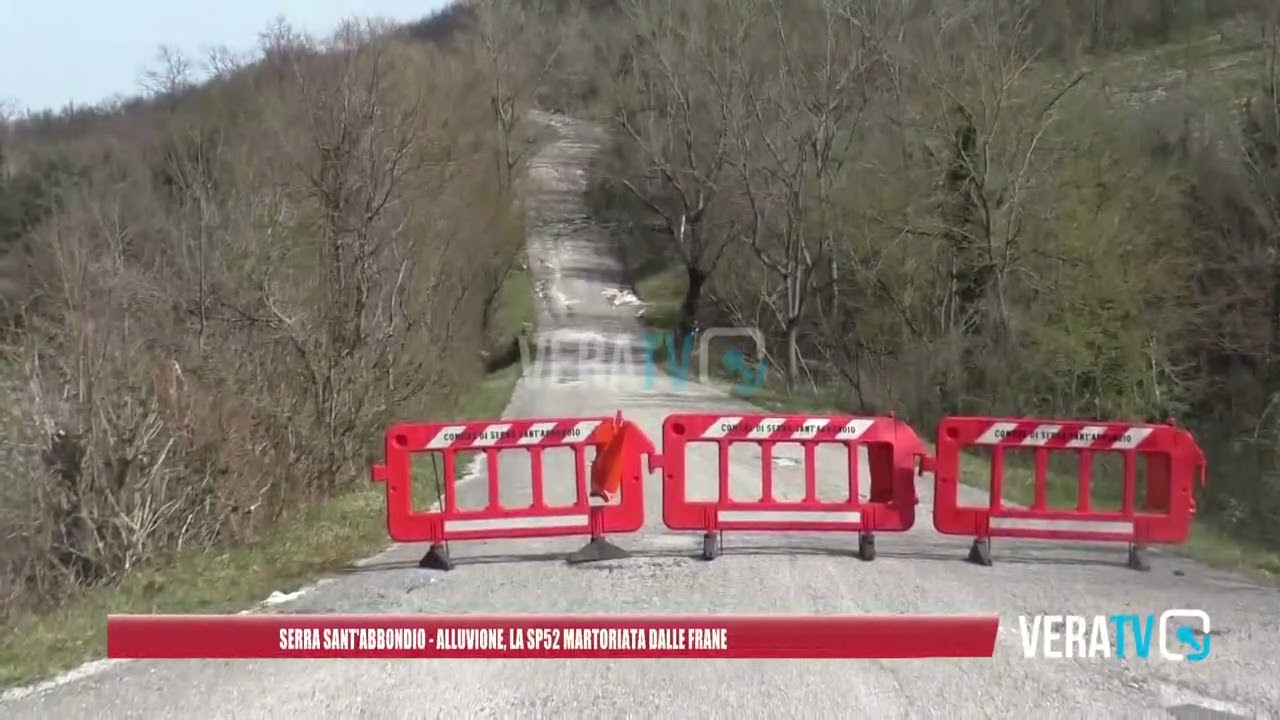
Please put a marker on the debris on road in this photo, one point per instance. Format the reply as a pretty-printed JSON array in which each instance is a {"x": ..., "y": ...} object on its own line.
[
  {"x": 277, "y": 598},
  {"x": 618, "y": 297}
]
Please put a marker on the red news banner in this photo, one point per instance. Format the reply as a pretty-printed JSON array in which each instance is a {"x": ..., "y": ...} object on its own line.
[{"x": 534, "y": 636}]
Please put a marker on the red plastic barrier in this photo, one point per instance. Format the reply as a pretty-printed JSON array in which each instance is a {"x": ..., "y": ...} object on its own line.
[
  {"x": 1171, "y": 455},
  {"x": 538, "y": 519},
  {"x": 891, "y": 446}
]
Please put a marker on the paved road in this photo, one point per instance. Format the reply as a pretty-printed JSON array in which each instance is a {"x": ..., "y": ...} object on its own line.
[{"x": 917, "y": 572}]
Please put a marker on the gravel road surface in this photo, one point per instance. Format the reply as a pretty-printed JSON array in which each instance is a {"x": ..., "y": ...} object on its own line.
[{"x": 916, "y": 572}]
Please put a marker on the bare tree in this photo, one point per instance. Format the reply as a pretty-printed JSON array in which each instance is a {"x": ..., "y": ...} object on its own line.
[
  {"x": 221, "y": 62},
  {"x": 990, "y": 123},
  {"x": 802, "y": 120},
  {"x": 231, "y": 300},
  {"x": 1260, "y": 153},
  {"x": 675, "y": 105},
  {"x": 171, "y": 73},
  {"x": 191, "y": 164},
  {"x": 7, "y": 113},
  {"x": 520, "y": 43},
  {"x": 361, "y": 147}
]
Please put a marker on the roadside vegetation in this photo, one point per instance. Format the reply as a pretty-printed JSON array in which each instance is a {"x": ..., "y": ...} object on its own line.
[
  {"x": 215, "y": 297},
  {"x": 1066, "y": 209}
]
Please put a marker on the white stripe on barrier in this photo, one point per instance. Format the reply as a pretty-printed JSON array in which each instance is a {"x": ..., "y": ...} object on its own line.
[
  {"x": 1131, "y": 438},
  {"x": 1099, "y": 526},
  {"x": 810, "y": 428},
  {"x": 854, "y": 429},
  {"x": 1042, "y": 435},
  {"x": 1087, "y": 436},
  {"x": 995, "y": 433},
  {"x": 536, "y": 433},
  {"x": 446, "y": 437},
  {"x": 491, "y": 435},
  {"x": 721, "y": 427},
  {"x": 793, "y": 516},
  {"x": 765, "y": 428},
  {"x": 581, "y": 432},
  {"x": 555, "y": 521}
]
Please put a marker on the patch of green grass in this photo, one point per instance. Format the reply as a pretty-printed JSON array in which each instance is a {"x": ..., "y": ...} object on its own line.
[
  {"x": 774, "y": 396},
  {"x": 1208, "y": 543},
  {"x": 324, "y": 538},
  {"x": 663, "y": 294},
  {"x": 486, "y": 400},
  {"x": 515, "y": 309},
  {"x": 1223, "y": 59},
  {"x": 514, "y": 313}
]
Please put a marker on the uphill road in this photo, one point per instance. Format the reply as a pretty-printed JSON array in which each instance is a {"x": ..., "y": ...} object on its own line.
[{"x": 916, "y": 572}]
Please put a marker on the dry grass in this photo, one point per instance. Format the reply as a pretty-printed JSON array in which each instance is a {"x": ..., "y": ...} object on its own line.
[
  {"x": 326, "y": 537},
  {"x": 1208, "y": 543},
  {"x": 244, "y": 284}
]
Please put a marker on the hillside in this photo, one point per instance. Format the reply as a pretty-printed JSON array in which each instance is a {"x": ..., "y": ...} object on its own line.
[
  {"x": 215, "y": 297},
  {"x": 1004, "y": 211}
]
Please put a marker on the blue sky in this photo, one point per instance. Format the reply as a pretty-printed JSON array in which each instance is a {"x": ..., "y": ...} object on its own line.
[{"x": 57, "y": 51}]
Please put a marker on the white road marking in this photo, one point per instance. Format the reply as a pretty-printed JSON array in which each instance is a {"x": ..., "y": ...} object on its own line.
[{"x": 99, "y": 666}]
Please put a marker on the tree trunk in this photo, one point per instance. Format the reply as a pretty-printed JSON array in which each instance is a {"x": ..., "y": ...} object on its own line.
[
  {"x": 793, "y": 355},
  {"x": 692, "y": 299},
  {"x": 1273, "y": 335}
]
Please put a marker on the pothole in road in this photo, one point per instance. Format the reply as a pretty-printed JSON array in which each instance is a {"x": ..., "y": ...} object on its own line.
[
  {"x": 1199, "y": 712},
  {"x": 643, "y": 567},
  {"x": 1185, "y": 704}
]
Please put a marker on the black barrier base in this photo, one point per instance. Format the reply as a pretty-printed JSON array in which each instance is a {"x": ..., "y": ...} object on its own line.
[
  {"x": 867, "y": 547},
  {"x": 980, "y": 553},
  {"x": 437, "y": 558},
  {"x": 1138, "y": 558},
  {"x": 710, "y": 546},
  {"x": 596, "y": 550}
]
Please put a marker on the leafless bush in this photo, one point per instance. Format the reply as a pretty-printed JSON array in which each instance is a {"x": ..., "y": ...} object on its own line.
[
  {"x": 934, "y": 211},
  {"x": 227, "y": 310}
]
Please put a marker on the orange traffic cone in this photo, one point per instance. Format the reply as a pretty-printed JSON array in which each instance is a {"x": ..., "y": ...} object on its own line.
[{"x": 608, "y": 466}]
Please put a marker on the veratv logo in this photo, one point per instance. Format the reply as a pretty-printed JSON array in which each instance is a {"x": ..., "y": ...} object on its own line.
[
  {"x": 733, "y": 362},
  {"x": 1181, "y": 635},
  {"x": 596, "y": 358}
]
